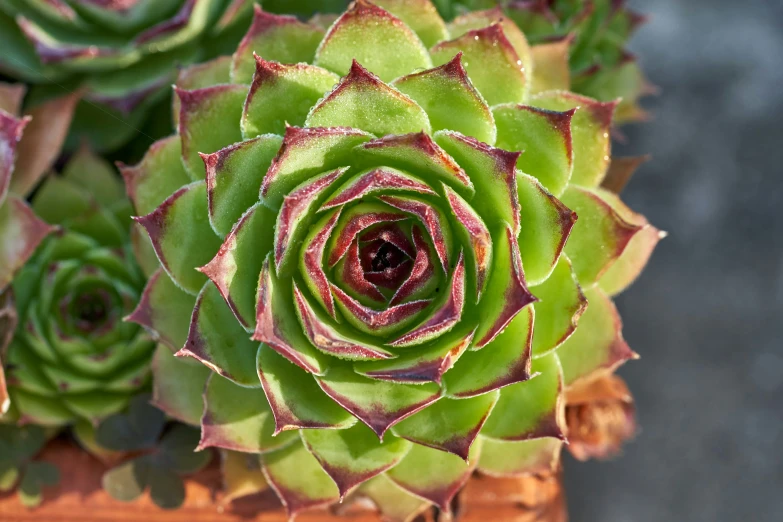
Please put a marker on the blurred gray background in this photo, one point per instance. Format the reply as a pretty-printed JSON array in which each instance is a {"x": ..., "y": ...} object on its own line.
[{"x": 706, "y": 315}]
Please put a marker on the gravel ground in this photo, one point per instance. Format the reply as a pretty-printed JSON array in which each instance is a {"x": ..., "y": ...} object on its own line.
[{"x": 706, "y": 316}]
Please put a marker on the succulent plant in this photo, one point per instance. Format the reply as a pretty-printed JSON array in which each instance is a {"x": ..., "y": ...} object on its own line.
[
  {"x": 385, "y": 293},
  {"x": 588, "y": 36},
  {"x": 124, "y": 52},
  {"x": 72, "y": 358},
  {"x": 29, "y": 145}
]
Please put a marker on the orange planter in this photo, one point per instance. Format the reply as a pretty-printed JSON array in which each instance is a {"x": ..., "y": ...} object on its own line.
[{"x": 80, "y": 498}]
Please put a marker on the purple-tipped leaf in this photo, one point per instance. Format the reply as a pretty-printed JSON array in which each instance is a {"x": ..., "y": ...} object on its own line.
[
  {"x": 283, "y": 39},
  {"x": 378, "y": 31},
  {"x": 378, "y": 404},
  {"x": 219, "y": 341},
  {"x": 450, "y": 100},
  {"x": 354, "y": 455},
  {"x": 361, "y": 100},
  {"x": 503, "y": 362},
  {"x": 165, "y": 310}
]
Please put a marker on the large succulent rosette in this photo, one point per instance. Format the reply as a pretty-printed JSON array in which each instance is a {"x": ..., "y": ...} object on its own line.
[
  {"x": 72, "y": 359},
  {"x": 588, "y": 36},
  {"x": 382, "y": 287},
  {"x": 124, "y": 52}
]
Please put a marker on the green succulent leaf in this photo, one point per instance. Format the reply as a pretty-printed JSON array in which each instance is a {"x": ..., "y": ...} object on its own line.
[
  {"x": 282, "y": 95},
  {"x": 543, "y": 137},
  {"x": 354, "y": 455},
  {"x": 283, "y": 39},
  {"x": 598, "y": 344},
  {"x": 450, "y": 100},
  {"x": 434, "y": 475},
  {"x": 178, "y": 386},
  {"x": 309, "y": 487},
  {"x": 239, "y": 419},
  {"x": 362, "y": 101},
  {"x": 378, "y": 30},
  {"x": 219, "y": 341},
  {"x": 560, "y": 304},
  {"x": 510, "y": 458}
]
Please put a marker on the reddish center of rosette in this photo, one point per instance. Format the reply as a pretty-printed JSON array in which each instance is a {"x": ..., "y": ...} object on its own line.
[{"x": 386, "y": 255}]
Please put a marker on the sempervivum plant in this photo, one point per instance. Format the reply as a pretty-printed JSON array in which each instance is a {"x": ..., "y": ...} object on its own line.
[
  {"x": 591, "y": 35},
  {"x": 385, "y": 292},
  {"x": 29, "y": 145},
  {"x": 124, "y": 52},
  {"x": 72, "y": 359}
]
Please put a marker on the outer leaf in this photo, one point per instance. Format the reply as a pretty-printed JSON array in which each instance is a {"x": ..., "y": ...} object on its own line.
[
  {"x": 242, "y": 475},
  {"x": 449, "y": 425},
  {"x": 378, "y": 404},
  {"x": 550, "y": 66},
  {"x": 294, "y": 396},
  {"x": 502, "y": 362},
  {"x": 589, "y": 130},
  {"x": 434, "y": 475},
  {"x": 157, "y": 176},
  {"x": 450, "y": 100},
  {"x": 180, "y": 233},
  {"x": 208, "y": 121},
  {"x": 239, "y": 419},
  {"x": 42, "y": 142},
  {"x": 598, "y": 344},
  {"x": 199, "y": 76},
  {"x": 310, "y": 486},
  {"x": 627, "y": 268},
  {"x": 283, "y": 39},
  {"x": 379, "y": 31},
  {"x": 545, "y": 226},
  {"x": 282, "y": 95},
  {"x": 235, "y": 268},
  {"x": 361, "y": 100},
  {"x": 165, "y": 310},
  {"x": 561, "y": 304},
  {"x": 510, "y": 459},
  {"x": 419, "y": 15},
  {"x": 219, "y": 341},
  {"x": 599, "y": 237},
  {"x": 531, "y": 409},
  {"x": 11, "y": 129},
  {"x": 544, "y": 138},
  {"x": 178, "y": 386},
  {"x": 22, "y": 232},
  {"x": 395, "y": 504},
  {"x": 234, "y": 176},
  {"x": 491, "y": 61},
  {"x": 353, "y": 455}
]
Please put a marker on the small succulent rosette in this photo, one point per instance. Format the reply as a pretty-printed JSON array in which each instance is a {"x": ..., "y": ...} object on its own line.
[
  {"x": 125, "y": 52},
  {"x": 384, "y": 254},
  {"x": 72, "y": 359},
  {"x": 29, "y": 145},
  {"x": 588, "y": 37}
]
